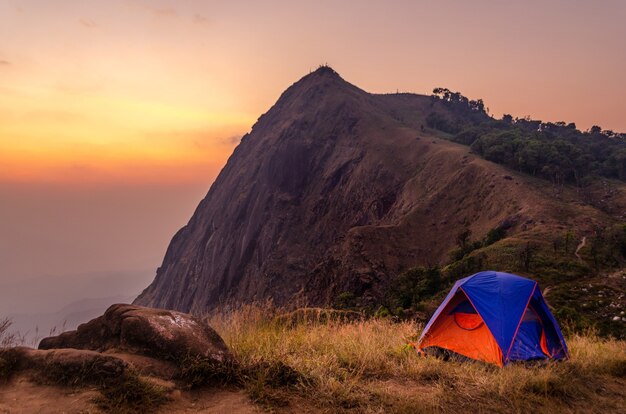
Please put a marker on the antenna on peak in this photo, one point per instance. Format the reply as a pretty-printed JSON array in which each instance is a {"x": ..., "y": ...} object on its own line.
[{"x": 325, "y": 68}]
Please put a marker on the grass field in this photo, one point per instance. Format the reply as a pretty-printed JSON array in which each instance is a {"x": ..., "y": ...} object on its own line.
[
  {"x": 325, "y": 361},
  {"x": 335, "y": 364}
]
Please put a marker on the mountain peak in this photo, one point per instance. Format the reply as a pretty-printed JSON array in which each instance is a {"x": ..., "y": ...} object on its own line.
[
  {"x": 322, "y": 81},
  {"x": 322, "y": 84},
  {"x": 325, "y": 70},
  {"x": 322, "y": 75}
]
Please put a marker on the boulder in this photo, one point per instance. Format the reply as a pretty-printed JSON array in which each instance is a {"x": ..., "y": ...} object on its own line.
[{"x": 134, "y": 329}]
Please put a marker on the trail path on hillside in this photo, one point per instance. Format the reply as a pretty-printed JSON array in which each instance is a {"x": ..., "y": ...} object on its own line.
[{"x": 582, "y": 244}]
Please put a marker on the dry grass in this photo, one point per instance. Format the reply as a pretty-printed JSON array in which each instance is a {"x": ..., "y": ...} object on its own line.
[
  {"x": 129, "y": 394},
  {"x": 364, "y": 366},
  {"x": 8, "y": 338}
]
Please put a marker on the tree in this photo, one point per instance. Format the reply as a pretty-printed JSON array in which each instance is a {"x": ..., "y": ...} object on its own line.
[
  {"x": 463, "y": 238},
  {"x": 414, "y": 286},
  {"x": 569, "y": 236},
  {"x": 526, "y": 255},
  {"x": 556, "y": 151},
  {"x": 595, "y": 130},
  {"x": 494, "y": 235}
]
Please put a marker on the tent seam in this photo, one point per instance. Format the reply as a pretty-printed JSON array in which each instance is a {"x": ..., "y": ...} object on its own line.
[
  {"x": 520, "y": 323},
  {"x": 481, "y": 317},
  {"x": 442, "y": 306},
  {"x": 555, "y": 325},
  {"x": 543, "y": 328}
]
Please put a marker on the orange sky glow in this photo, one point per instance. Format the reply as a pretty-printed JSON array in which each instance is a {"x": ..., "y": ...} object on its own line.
[{"x": 160, "y": 91}]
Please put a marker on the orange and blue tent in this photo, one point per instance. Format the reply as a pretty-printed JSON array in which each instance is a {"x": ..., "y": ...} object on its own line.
[{"x": 497, "y": 318}]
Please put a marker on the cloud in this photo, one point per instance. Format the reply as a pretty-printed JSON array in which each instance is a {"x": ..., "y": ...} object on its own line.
[
  {"x": 4, "y": 62},
  {"x": 199, "y": 19},
  {"x": 235, "y": 139},
  {"x": 88, "y": 24},
  {"x": 201, "y": 139}
]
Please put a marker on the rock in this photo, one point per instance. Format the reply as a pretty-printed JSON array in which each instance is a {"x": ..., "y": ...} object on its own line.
[
  {"x": 68, "y": 366},
  {"x": 158, "y": 333},
  {"x": 616, "y": 318}
]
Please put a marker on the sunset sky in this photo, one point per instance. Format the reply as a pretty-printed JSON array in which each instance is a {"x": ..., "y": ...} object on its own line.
[{"x": 116, "y": 116}]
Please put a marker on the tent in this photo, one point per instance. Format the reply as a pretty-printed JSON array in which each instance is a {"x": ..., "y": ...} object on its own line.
[{"x": 497, "y": 318}]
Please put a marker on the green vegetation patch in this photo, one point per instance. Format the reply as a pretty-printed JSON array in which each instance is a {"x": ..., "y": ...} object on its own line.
[{"x": 556, "y": 151}]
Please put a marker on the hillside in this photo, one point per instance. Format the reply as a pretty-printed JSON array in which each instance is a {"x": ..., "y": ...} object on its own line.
[{"x": 337, "y": 192}]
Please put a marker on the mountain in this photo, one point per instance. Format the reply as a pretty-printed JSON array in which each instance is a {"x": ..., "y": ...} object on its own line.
[{"x": 336, "y": 190}]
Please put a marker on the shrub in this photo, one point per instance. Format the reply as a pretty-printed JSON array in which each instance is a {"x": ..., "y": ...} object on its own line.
[
  {"x": 201, "y": 371},
  {"x": 345, "y": 300},
  {"x": 130, "y": 394},
  {"x": 413, "y": 286},
  {"x": 8, "y": 364}
]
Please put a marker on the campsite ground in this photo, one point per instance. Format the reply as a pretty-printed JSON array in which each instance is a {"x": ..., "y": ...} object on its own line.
[
  {"x": 320, "y": 361},
  {"x": 24, "y": 396},
  {"x": 366, "y": 366}
]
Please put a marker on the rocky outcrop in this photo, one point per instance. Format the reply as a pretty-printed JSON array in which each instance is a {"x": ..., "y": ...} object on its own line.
[
  {"x": 338, "y": 190},
  {"x": 126, "y": 339},
  {"x": 65, "y": 365},
  {"x": 131, "y": 359},
  {"x": 134, "y": 329}
]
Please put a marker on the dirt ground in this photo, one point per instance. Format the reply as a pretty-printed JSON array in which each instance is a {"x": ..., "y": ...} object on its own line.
[{"x": 25, "y": 397}]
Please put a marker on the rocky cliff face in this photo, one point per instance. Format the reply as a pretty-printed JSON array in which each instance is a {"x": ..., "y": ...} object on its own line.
[{"x": 335, "y": 190}]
